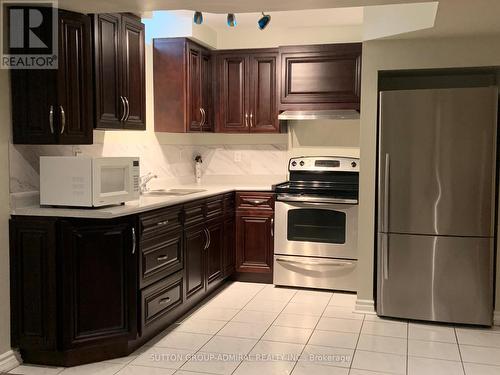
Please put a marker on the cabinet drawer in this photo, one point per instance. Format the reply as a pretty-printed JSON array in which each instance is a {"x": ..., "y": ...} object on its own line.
[
  {"x": 255, "y": 201},
  {"x": 161, "y": 256},
  {"x": 214, "y": 206},
  {"x": 161, "y": 298},
  {"x": 160, "y": 220},
  {"x": 194, "y": 212}
]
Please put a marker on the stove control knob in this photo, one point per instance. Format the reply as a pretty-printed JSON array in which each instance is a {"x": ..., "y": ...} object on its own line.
[
  {"x": 294, "y": 163},
  {"x": 353, "y": 164},
  {"x": 302, "y": 163}
]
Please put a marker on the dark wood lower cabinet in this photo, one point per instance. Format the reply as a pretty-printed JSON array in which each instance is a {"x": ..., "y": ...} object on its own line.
[
  {"x": 86, "y": 290},
  {"x": 254, "y": 236},
  {"x": 74, "y": 286}
]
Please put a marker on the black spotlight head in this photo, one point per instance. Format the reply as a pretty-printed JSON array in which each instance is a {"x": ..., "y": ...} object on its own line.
[
  {"x": 198, "y": 18},
  {"x": 231, "y": 19},
  {"x": 264, "y": 21}
]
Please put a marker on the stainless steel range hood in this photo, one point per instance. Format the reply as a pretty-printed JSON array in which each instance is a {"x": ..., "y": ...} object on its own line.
[{"x": 338, "y": 114}]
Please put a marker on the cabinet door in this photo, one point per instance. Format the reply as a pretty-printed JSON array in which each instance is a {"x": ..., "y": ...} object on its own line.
[
  {"x": 33, "y": 283},
  {"x": 109, "y": 107},
  {"x": 74, "y": 109},
  {"x": 321, "y": 77},
  {"x": 214, "y": 252},
  {"x": 194, "y": 115},
  {"x": 229, "y": 245},
  {"x": 34, "y": 106},
  {"x": 206, "y": 91},
  {"x": 133, "y": 73},
  {"x": 233, "y": 93},
  {"x": 99, "y": 282},
  {"x": 195, "y": 242},
  {"x": 254, "y": 242},
  {"x": 263, "y": 95}
]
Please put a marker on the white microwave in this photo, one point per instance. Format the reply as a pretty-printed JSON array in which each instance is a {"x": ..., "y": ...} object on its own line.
[{"x": 88, "y": 182}]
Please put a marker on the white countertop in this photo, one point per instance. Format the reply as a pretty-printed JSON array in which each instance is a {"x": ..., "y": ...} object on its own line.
[{"x": 145, "y": 203}]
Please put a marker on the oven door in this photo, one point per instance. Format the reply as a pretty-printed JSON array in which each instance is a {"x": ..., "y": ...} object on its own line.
[{"x": 326, "y": 230}]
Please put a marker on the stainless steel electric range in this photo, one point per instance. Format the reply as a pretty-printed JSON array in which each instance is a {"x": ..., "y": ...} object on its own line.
[{"x": 316, "y": 219}]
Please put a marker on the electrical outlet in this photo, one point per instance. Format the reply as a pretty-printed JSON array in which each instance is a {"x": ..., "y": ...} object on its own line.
[{"x": 237, "y": 156}]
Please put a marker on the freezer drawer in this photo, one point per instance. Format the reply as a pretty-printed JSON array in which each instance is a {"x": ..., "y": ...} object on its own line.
[
  {"x": 321, "y": 273},
  {"x": 445, "y": 279}
]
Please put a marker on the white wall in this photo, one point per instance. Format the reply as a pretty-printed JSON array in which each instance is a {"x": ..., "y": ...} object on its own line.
[
  {"x": 5, "y": 122},
  {"x": 403, "y": 54}
]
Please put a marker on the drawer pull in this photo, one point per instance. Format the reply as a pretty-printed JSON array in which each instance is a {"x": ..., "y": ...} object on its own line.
[
  {"x": 162, "y": 223},
  {"x": 164, "y": 301},
  {"x": 255, "y": 202},
  {"x": 162, "y": 257}
]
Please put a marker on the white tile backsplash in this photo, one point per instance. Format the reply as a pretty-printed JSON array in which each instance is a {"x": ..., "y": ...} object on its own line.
[{"x": 172, "y": 163}]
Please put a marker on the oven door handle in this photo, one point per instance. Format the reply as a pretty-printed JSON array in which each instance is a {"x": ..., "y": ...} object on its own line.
[
  {"x": 310, "y": 199},
  {"x": 313, "y": 263}
]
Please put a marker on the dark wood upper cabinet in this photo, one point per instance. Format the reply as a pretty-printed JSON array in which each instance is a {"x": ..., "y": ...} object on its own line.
[
  {"x": 55, "y": 106},
  {"x": 119, "y": 74},
  {"x": 263, "y": 94},
  {"x": 233, "y": 93},
  {"x": 321, "y": 77},
  {"x": 183, "y": 87},
  {"x": 247, "y": 91}
]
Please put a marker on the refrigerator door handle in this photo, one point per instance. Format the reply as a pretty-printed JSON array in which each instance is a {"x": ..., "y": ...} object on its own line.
[
  {"x": 385, "y": 256},
  {"x": 385, "y": 223}
]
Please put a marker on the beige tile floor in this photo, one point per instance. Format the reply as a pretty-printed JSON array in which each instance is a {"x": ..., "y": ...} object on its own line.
[{"x": 260, "y": 329}]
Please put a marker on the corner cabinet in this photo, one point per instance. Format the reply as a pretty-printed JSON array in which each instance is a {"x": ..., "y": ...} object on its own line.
[
  {"x": 54, "y": 106},
  {"x": 247, "y": 84},
  {"x": 119, "y": 72},
  {"x": 254, "y": 236},
  {"x": 73, "y": 286},
  {"x": 321, "y": 77},
  {"x": 183, "y": 88}
]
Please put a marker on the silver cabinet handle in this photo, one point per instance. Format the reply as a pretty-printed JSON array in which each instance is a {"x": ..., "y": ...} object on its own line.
[
  {"x": 162, "y": 223},
  {"x": 134, "y": 241},
  {"x": 272, "y": 227},
  {"x": 51, "y": 119},
  {"x": 311, "y": 263},
  {"x": 386, "y": 193},
  {"x": 204, "y": 117},
  {"x": 164, "y": 301},
  {"x": 255, "y": 202},
  {"x": 251, "y": 119},
  {"x": 124, "y": 110},
  {"x": 209, "y": 238},
  {"x": 206, "y": 238},
  {"x": 162, "y": 258},
  {"x": 246, "y": 119},
  {"x": 63, "y": 119},
  {"x": 127, "y": 105}
]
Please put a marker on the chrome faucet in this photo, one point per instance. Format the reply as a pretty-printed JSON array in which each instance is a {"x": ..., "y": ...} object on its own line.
[{"x": 143, "y": 186}]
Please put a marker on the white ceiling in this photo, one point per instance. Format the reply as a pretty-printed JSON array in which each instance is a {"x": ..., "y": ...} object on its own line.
[{"x": 454, "y": 17}]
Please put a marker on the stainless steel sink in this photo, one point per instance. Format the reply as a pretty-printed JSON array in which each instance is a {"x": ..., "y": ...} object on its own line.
[{"x": 172, "y": 192}]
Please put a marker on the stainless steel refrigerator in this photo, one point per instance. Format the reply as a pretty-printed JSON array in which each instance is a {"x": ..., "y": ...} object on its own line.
[{"x": 436, "y": 204}]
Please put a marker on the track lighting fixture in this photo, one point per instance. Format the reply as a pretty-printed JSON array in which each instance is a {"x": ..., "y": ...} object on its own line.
[
  {"x": 198, "y": 18},
  {"x": 264, "y": 21},
  {"x": 231, "y": 19}
]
